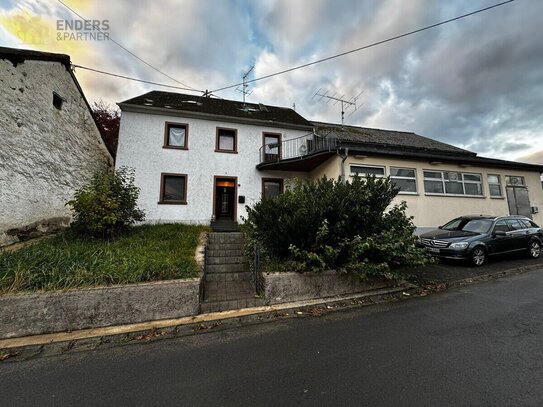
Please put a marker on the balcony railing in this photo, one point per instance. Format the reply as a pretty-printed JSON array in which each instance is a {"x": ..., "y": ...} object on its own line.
[{"x": 296, "y": 148}]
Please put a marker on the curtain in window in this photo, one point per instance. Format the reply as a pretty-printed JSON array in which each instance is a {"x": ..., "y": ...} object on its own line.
[{"x": 177, "y": 136}]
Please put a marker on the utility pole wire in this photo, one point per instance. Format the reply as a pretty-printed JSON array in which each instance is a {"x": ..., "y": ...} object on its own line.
[
  {"x": 130, "y": 52},
  {"x": 318, "y": 61},
  {"x": 133, "y": 79}
]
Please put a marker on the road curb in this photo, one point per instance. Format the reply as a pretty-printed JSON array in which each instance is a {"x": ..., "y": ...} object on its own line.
[{"x": 23, "y": 348}]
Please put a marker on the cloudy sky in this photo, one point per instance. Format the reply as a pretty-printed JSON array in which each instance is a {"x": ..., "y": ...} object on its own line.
[{"x": 476, "y": 83}]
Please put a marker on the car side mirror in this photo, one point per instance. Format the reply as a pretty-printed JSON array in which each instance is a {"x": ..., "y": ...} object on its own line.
[
  {"x": 440, "y": 227},
  {"x": 500, "y": 233}
]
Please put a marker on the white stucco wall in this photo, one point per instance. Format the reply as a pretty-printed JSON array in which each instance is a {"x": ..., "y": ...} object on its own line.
[
  {"x": 141, "y": 140},
  {"x": 45, "y": 153},
  {"x": 430, "y": 211}
]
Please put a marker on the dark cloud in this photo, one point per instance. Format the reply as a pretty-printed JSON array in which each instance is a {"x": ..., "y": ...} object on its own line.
[{"x": 476, "y": 83}]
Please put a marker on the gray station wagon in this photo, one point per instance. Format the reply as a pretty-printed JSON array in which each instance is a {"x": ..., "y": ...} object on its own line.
[{"x": 475, "y": 238}]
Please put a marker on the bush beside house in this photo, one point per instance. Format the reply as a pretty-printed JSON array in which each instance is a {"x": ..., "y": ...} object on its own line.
[
  {"x": 107, "y": 206},
  {"x": 329, "y": 224}
]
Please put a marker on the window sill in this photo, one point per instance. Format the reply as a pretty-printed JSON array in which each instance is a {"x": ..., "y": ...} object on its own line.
[
  {"x": 226, "y": 151},
  {"x": 455, "y": 195},
  {"x": 408, "y": 193},
  {"x": 175, "y": 148},
  {"x": 172, "y": 202},
  {"x": 497, "y": 197}
]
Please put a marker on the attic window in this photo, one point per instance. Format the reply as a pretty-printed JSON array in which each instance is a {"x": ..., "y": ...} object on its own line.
[
  {"x": 57, "y": 100},
  {"x": 249, "y": 109},
  {"x": 192, "y": 102}
]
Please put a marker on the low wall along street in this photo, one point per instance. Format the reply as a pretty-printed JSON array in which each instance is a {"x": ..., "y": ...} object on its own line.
[
  {"x": 40, "y": 313},
  {"x": 286, "y": 287},
  {"x": 60, "y": 311}
]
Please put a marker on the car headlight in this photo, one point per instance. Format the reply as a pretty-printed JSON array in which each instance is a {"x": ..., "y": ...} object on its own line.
[{"x": 460, "y": 245}]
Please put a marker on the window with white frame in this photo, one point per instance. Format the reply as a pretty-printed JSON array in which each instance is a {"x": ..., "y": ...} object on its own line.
[
  {"x": 494, "y": 185},
  {"x": 452, "y": 183},
  {"x": 366, "y": 171},
  {"x": 405, "y": 179},
  {"x": 514, "y": 180}
]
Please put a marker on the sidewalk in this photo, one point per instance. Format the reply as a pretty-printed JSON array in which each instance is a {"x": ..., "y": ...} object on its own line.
[{"x": 89, "y": 339}]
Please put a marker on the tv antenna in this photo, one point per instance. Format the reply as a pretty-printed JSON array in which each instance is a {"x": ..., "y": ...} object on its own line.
[
  {"x": 345, "y": 103},
  {"x": 245, "y": 86}
]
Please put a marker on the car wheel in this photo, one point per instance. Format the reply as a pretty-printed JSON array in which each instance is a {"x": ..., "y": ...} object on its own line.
[
  {"x": 534, "y": 249},
  {"x": 478, "y": 256}
]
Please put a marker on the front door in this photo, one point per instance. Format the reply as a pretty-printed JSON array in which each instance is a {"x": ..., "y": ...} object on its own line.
[
  {"x": 518, "y": 200},
  {"x": 225, "y": 198}
]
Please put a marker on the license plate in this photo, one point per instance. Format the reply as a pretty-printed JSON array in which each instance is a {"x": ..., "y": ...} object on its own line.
[{"x": 432, "y": 249}]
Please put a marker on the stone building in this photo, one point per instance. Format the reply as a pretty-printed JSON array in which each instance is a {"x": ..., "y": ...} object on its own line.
[{"x": 50, "y": 144}]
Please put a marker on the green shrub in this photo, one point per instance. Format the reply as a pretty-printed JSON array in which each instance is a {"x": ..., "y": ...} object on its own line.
[
  {"x": 328, "y": 224},
  {"x": 107, "y": 205}
]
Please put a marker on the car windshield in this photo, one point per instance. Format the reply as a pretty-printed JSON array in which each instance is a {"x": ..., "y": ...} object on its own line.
[{"x": 469, "y": 225}]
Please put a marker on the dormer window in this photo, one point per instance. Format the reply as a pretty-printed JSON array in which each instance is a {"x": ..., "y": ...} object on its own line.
[{"x": 57, "y": 100}]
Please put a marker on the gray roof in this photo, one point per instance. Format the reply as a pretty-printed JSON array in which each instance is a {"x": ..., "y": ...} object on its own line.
[
  {"x": 401, "y": 144},
  {"x": 199, "y": 105},
  {"x": 387, "y": 138}
]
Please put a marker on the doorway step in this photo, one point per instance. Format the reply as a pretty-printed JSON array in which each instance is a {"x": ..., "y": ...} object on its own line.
[
  {"x": 227, "y": 283},
  {"x": 224, "y": 225}
]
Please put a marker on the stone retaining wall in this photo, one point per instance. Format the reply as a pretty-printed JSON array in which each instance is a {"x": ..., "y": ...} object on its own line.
[
  {"x": 40, "y": 313},
  {"x": 286, "y": 287}
]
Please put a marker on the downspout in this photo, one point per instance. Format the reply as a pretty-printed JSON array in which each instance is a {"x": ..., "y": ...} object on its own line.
[{"x": 343, "y": 158}]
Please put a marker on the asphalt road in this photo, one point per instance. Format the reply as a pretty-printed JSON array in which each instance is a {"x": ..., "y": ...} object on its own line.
[
  {"x": 476, "y": 345},
  {"x": 449, "y": 271}
]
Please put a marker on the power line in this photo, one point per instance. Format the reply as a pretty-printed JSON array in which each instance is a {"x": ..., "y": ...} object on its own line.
[
  {"x": 133, "y": 79},
  {"x": 130, "y": 52},
  {"x": 318, "y": 61}
]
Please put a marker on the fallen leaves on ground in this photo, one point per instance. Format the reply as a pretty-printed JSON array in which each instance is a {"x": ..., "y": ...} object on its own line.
[
  {"x": 150, "y": 335},
  {"x": 6, "y": 356}
]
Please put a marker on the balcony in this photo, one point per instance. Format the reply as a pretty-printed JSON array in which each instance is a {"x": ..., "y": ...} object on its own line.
[{"x": 298, "y": 154}]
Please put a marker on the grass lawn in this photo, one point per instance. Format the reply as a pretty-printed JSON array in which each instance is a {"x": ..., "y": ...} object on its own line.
[{"x": 146, "y": 253}]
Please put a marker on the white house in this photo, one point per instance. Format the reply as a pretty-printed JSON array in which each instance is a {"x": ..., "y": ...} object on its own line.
[
  {"x": 50, "y": 143},
  {"x": 195, "y": 158},
  {"x": 198, "y": 159}
]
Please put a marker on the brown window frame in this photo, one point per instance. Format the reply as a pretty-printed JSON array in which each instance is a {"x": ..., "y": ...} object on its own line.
[
  {"x": 281, "y": 181},
  {"x": 163, "y": 185},
  {"x": 279, "y": 142},
  {"x": 217, "y": 139},
  {"x": 167, "y": 126}
]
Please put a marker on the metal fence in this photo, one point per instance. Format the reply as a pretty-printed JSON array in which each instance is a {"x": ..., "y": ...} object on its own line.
[
  {"x": 204, "y": 279},
  {"x": 256, "y": 275}
]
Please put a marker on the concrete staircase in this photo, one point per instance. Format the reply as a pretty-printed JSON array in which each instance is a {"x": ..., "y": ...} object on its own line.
[{"x": 228, "y": 277}]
